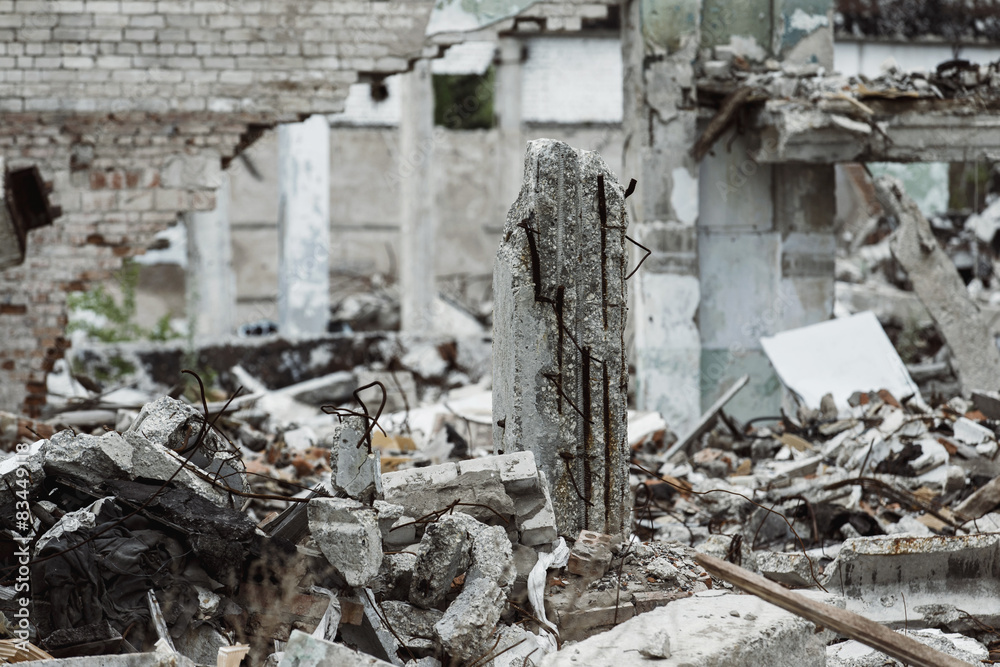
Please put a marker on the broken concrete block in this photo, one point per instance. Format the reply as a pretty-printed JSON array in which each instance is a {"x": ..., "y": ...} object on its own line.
[
  {"x": 177, "y": 426},
  {"x": 305, "y": 650},
  {"x": 516, "y": 647},
  {"x": 559, "y": 282},
  {"x": 397, "y": 530},
  {"x": 469, "y": 621},
  {"x": 591, "y": 555},
  {"x": 790, "y": 569},
  {"x": 395, "y": 575},
  {"x": 703, "y": 632},
  {"x": 663, "y": 569},
  {"x": 874, "y": 574},
  {"x": 442, "y": 555},
  {"x": 853, "y": 653},
  {"x": 492, "y": 557},
  {"x": 410, "y": 622},
  {"x": 357, "y": 470},
  {"x": 88, "y": 458},
  {"x": 539, "y": 527},
  {"x": 154, "y": 461},
  {"x": 507, "y": 484},
  {"x": 347, "y": 533},
  {"x": 328, "y": 389}
]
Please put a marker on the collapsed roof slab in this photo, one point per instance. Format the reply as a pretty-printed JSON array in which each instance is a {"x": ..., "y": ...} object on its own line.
[{"x": 841, "y": 131}]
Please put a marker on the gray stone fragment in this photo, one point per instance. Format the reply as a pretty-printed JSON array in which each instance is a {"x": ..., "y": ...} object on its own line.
[
  {"x": 357, "y": 470},
  {"x": 663, "y": 569},
  {"x": 442, "y": 555},
  {"x": 154, "y": 461},
  {"x": 304, "y": 650},
  {"x": 347, "y": 533},
  {"x": 790, "y": 569},
  {"x": 395, "y": 575},
  {"x": 397, "y": 529},
  {"x": 559, "y": 368},
  {"x": 177, "y": 426},
  {"x": 409, "y": 621},
  {"x": 468, "y": 623},
  {"x": 657, "y": 646},
  {"x": 855, "y": 654},
  {"x": 333, "y": 388},
  {"x": 88, "y": 458},
  {"x": 704, "y": 634},
  {"x": 492, "y": 557}
]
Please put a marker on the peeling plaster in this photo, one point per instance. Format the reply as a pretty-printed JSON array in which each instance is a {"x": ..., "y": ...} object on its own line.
[
  {"x": 684, "y": 196},
  {"x": 806, "y": 22},
  {"x": 748, "y": 47}
]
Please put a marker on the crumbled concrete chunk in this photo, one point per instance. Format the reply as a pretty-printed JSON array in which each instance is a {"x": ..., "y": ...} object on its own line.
[
  {"x": 88, "y": 458},
  {"x": 855, "y": 654},
  {"x": 395, "y": 575},
  {"x": 704, "y": 634},
  {"x": 790, "y": 569},
  {"x": 469, "y": 621},
  {"x": 663, "y": 569},
  {"x": 347, "y": 533},
  {"x": 443, "y": 554},
  {"x": 409, "y": 621},
  {"x": 357, "y": 470}
]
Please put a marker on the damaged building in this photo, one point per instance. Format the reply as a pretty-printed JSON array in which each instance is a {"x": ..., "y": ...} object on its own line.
[{"x": 518, "y": 333}]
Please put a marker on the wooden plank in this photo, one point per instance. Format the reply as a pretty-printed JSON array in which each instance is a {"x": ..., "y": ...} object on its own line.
[
  {"x": 707, "y": 419},
  {"x": 845, "y": 622},
  {"x": 983, "y": 500}
]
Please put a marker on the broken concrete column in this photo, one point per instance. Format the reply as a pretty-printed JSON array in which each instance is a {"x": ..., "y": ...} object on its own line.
[
  {"x": 936, "y": 281},
  {"x": 418, "y": 224},
  {"x": 559, "y": 369},
  {"x": 304, "y": 227},
  {"x": 210, "y": 281}
]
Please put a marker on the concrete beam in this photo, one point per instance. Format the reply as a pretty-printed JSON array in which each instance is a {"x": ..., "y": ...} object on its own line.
[{"x": 827, "y": 133}]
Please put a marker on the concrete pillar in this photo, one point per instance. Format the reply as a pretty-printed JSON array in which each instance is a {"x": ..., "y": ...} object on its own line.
[
  {"x": 659, "y": 45},
  {"x": 740, "y": 271},
  {"x": 804, "y": 211},
  {"x": 417, "y": 237},
  {"x": 304, "y": 227},
  {"x": 507, "y": 108},
  {"x": 210, "y": 281},
  {"x": 560, "y": 377}
]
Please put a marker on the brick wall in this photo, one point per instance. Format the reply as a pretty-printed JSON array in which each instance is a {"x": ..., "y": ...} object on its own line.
[{"x": 132, "y": 107}]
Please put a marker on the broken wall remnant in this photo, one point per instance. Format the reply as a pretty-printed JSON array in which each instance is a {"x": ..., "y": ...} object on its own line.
[
  {"x": 559, "y": 368},
  {"x": 940, "y": 287}
]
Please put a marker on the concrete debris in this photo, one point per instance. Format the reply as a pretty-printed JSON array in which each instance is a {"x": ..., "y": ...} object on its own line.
[
  {"x": 356, "y": 470},
  {"x": 852, "y": 653},
  {"x": 309, "y": 529},
  {"x": 348, "y": 535},
  {"x": 729, "y": 630},
  {"x": 876, "y": 574},
  {"x": 942, "y": 290}
]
